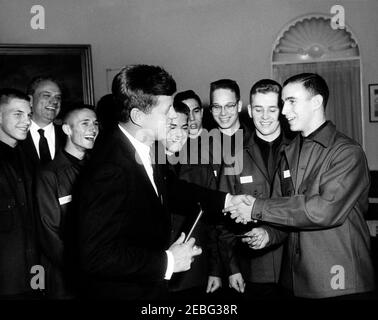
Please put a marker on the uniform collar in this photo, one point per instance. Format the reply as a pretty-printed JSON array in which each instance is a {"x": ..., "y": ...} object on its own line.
[{"x": 322, "y": 134}]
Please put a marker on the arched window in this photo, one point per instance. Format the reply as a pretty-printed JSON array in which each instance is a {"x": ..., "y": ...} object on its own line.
[{"x": 310, "y": 44}]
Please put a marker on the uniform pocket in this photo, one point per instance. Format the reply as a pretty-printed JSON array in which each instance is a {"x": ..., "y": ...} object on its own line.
[{"x": 6, "y": 214}]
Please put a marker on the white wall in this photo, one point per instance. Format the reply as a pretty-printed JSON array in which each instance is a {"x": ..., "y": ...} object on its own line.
[{"x": 198, "y": 41}]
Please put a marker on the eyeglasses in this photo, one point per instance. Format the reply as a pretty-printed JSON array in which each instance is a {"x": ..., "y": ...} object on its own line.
[{"x": 229, "y": 107}]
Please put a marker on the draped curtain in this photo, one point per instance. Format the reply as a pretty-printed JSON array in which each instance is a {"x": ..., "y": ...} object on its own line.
[{"x": 343, "y": 79}]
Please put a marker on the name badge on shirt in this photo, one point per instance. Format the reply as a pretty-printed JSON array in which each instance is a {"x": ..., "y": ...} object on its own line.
[
  {"x": 246, "y": 179},
  {"x": 64, "y": 200},
  {"x": 286, "y": 174}
]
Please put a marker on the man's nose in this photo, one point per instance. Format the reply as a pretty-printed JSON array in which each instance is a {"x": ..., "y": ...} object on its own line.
[
  {"x": 93, "y": 127},
  {"x": 285, "y": 108},
  {"x": 223, "y": 110},
  {"x": 27, "y": 120},
  {"x": 180, "y": 133},
  {"x": 54, "y": 100}
]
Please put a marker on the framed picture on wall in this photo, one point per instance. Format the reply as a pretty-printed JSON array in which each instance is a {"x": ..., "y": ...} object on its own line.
[
  {"x": 373, "y": 102},
  {"x": 71, "y": 65}
]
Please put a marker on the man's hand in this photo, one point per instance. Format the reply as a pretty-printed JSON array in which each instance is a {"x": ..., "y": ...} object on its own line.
[
  {"x": 239, "y": 199},
  {"x": 184, "y": 253},
  {"x": 236, "y": 281},
  {"x": 241, "y": 208},
  {"x": 213, "y": 283},
  {"x": 257, "y": 238}
]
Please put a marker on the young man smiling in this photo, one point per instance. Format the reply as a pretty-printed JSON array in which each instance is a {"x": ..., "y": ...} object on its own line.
[
  {"x": 18, "y": 244},
  {"x": 55, "y": 185},
  {"x": 254, "y": 272},
  {"x": 320, "y": 197}
]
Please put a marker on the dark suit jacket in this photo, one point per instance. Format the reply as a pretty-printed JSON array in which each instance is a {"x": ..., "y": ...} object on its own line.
[
  {"x": 31, "y": 151},
  {"x": 18, "y": 246},
  {"x": 197, "y": 167},
  {"x": 260, "y": 266},
  {"x": 124, "y": 228},
  {"x": 54, "y": 183}
]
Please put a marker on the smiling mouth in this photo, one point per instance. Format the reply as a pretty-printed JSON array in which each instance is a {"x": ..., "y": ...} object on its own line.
[{"x": 90, "y": 138}]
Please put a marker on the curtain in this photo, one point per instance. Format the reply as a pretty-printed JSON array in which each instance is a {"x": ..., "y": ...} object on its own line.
[{"x": 343, "y": 79}]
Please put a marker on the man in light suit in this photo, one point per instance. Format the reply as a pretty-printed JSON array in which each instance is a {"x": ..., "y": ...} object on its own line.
[
  {"x": 44, "y": 138},
  {"x": 124, "y": 225}
]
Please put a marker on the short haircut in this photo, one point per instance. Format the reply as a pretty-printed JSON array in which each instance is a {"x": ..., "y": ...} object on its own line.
[
  {"x": 136, "y": 86},
  {"x": 186, "y": 95},
  {"x": 75, "y": 108},
  {"x": 313, "y": 83},
  {"x": 225, "y": 84},
  {"x": 181, "y": 107},
  {"x": 265, "y": 86},
  {"x": 8, "y": 94},
  {"x": 37, "y": 80}
]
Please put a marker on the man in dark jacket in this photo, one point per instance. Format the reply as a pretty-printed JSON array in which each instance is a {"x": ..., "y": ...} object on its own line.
[
  {"x": 194, "y": 164},
  {"x": 18, "y": 250},
  {"x": 324, "y": 182},
  {"x": 258, "y": 162},
  {"x": 124, "y": 224},
  {"x": 232, "y": 134},
  {"x": 54, "y": 188}
]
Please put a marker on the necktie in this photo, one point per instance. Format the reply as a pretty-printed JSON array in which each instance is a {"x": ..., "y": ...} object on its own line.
[{"x": 44, "y": 152}]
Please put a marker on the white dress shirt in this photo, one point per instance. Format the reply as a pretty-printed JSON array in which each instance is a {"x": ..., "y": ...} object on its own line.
[
  {"x": 143, "y": 151},
  {"x": 49, "y": 134}
]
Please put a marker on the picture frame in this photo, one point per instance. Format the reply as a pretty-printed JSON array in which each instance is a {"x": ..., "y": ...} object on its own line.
[
  {"x": 71, "y": 65},
  {"x": 373, "y": 102}
]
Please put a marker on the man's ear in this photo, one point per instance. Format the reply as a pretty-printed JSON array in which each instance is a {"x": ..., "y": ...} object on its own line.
[
  {"x": 136, "y": 116},
  {"x": 317, "y": 101},
  {"x": 31, "y": 100},
  {"x": 240, "y": 105},
  {"x": 66, "y": 129},
  {"x": 250, "y": 111}
]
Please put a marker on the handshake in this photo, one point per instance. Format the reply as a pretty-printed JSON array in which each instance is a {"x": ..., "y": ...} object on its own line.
[{"x": 240, "y": 207}]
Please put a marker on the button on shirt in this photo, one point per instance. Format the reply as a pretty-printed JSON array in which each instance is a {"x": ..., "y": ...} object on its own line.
[
  {"x": 144, "y": 154},
  {"x": 49, "y": 132}
]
